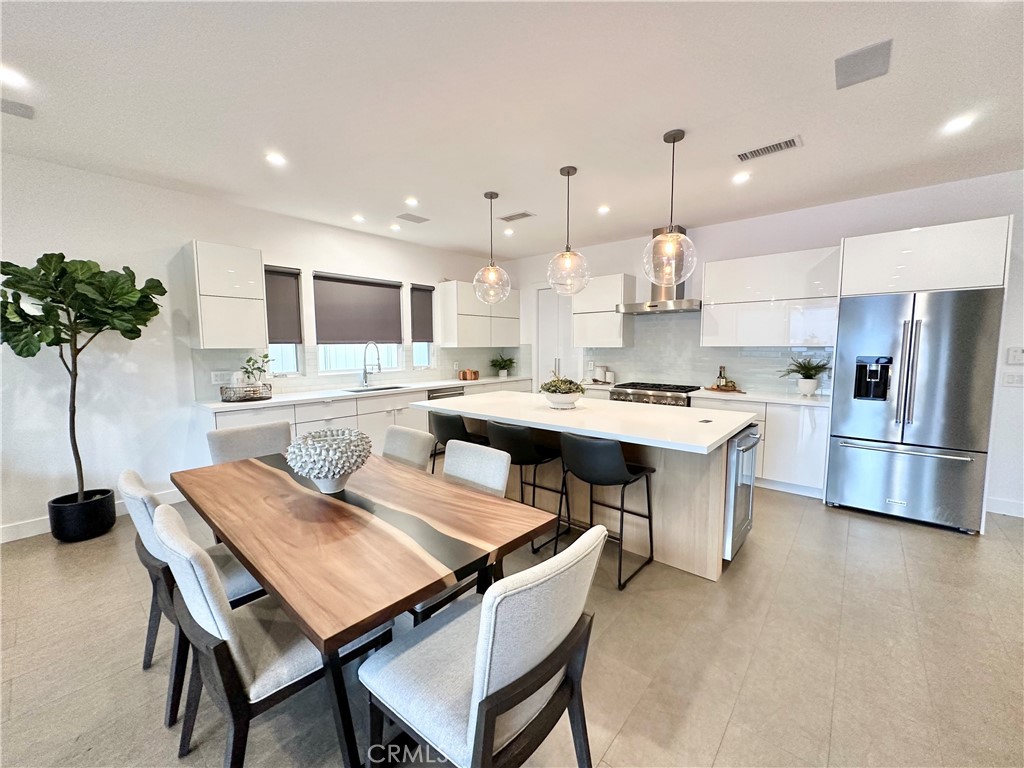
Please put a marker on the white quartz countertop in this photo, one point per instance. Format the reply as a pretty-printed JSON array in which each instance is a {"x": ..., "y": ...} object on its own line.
[
  {"x": 660, "y": 426},
  {"x": 782, "y": 398},
  {"x": 319, "y": 395}
]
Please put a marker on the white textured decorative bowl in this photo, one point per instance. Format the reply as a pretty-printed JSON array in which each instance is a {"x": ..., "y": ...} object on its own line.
[
  {"x": 807, "y": 387},
  {"x": 562, "y": 402},
  {"x": 328, "y": 457}
]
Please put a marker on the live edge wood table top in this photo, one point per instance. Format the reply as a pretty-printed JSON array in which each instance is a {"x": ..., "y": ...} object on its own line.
[{"x": 344, "y": 563}]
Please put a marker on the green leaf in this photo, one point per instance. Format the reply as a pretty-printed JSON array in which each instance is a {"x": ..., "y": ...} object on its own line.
[
  {"x": 82, "y": 270},
  {"x": 24, "y": 344},
  {"x": 50, "y": 263},
  {"x": 154, "y": 287},
  {"x": 89, "y": 291}
]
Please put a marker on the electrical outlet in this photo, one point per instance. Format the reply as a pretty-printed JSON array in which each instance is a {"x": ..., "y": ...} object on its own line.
[
  {"x": 1013, "y": 380},
  {"x": 590, "y": 365},
  {"x": 220, "y": 377},
  {"x": 1015, "y": 356},
  {"x": 455, "y": 365}
]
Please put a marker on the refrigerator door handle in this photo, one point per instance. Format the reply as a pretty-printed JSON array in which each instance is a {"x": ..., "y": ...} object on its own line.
[
  {"x": 844, "y": 444},
  {"x": 915, "y": 353},
  {"x": 901, "y": 385}
]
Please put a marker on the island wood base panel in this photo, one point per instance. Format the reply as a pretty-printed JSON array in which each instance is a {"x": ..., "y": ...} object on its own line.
[{"x": 689, "y": 499}]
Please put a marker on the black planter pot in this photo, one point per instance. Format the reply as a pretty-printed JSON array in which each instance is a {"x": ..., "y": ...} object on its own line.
[{"x": 72, "y": 520}]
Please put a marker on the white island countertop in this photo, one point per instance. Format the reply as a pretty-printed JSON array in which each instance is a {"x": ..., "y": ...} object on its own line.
[{"x": 690, "y": 430}]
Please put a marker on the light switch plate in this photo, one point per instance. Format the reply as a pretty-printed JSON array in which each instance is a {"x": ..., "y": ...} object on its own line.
[
  {"x": 1015, "y": 355},
  {"x": 1013, "y": 380}
]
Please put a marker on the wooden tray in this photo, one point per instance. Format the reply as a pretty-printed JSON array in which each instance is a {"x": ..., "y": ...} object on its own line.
[{"x": 725, "y": 391}]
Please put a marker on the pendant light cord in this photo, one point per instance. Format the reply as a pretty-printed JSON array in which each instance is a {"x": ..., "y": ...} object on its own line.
[
  {"x": 567, "y": 247},
  {"x": 672, "y": 189},
  {"x": 491, "y": 203}
]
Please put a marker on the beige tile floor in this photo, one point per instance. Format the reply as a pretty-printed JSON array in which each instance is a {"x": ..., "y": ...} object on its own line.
[{"x": 836, "y": 638}]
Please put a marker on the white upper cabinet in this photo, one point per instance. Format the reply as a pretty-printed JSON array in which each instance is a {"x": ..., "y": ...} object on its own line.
[
  {"x": 793, "y": 275},
  {"x": 595, "y": 323},
  {"x": 788, "y": 323},
  {"x": 227, "y": 305},
  {"x": 465, "y": 321},
  {"x": 967, "y": 254}
]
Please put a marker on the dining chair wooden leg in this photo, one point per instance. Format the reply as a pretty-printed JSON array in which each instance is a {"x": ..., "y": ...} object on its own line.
[
  {"x": 151, "y": 631},
  {"x": 179, "y": 660},
  {"x": 195, "y": 691},
  {"x": 238, "y": 735}
]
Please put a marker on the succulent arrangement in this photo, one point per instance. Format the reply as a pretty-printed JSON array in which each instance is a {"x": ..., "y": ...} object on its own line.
[
  {"x": 806, "y": 367},
  {"x": 502, "y": 363},
  {"x": 329, "y": 454},
  {"x": 561, "y": 385}
]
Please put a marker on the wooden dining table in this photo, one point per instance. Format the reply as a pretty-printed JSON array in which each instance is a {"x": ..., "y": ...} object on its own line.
[{"x": 342, "y": 564}]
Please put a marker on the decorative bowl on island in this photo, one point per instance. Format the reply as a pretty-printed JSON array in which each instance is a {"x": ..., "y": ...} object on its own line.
[
  {"x": 328, "y": 457},
  {"x": 562, "y": 392}
]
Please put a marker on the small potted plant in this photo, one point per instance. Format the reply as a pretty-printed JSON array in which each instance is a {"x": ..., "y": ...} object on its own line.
[
  {"x": 561, "y": 392},
  {"x": 503, "y": 365},
  {"x": 255, "y": 368},
  {"x": 328, "y": 457},
  {"x": 808, "y": 369}
]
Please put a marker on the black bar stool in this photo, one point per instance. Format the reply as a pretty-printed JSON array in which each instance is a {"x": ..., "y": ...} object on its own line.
[
  {"x": 449, "y": 426},
  {"x": 597, "y": 461},
  {"x": 520, "y": 443}
]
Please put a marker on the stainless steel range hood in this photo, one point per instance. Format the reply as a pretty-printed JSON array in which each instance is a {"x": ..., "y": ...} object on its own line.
[{"x": 663, "y": 300}]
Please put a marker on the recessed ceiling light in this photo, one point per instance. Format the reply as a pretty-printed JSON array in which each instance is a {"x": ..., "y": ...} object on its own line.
[
  {"x": 395, "y": 227},
  {"x": 359, "y": 218},
  {"x": 957, "y": 124},
  {"x": 276, "y": 158},
  {"x": 12, "y": 77},
  {"x": 741, "y": 178},
  {"x": 603, "y": 210},
  {"x": 412, "y": 202},
  {"x": 509, "y": 232},
  {"x": 915, "y": 229}
]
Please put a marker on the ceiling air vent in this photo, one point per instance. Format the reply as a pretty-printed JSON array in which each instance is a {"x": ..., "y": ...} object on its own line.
[
  {"x": 516, "y": 216},
  {"x": 770, "y": 149},
  {"x": 411, "y": 217},
  {"x": 17, "y": 109}
]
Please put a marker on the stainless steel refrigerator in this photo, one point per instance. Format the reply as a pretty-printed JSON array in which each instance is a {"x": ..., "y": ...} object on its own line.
[{"x": 912, "y": 400}]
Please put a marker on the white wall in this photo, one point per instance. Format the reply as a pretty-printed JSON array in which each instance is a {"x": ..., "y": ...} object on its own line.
[
  {"x": 135, "y": 398},
  {"x": 826, "y": 225}
]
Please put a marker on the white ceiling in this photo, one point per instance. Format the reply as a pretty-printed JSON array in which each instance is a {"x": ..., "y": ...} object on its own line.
[{"x": 373, "y": 102}]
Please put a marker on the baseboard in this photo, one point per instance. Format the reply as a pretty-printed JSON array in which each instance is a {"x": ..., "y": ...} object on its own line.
[
  {"x": 38, "y": 525},
  {"x": 798, "y": 490},
  {"x": 1010, "y": 507}
]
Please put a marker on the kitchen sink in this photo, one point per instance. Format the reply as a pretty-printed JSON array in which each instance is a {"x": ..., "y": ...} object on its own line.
[{"x": 377, "y": 389}]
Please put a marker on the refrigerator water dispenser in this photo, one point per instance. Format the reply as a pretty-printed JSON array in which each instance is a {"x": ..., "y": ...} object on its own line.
[{"x": 872, "y": 377}]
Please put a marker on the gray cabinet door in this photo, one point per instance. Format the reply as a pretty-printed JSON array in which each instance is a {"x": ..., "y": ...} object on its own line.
[
  {"x": 871, "y": 326},
  {"x": 951, "y": 371}
]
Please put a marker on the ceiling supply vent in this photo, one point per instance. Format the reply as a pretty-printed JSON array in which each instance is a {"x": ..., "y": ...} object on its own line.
[
  {"x": 864, "y": 64},
  {"x": 17, "y": 109},
  {"x": 411, "y": 217},
  {"x": 770, "y": 149},
  {"x": 516, "y": 216}
]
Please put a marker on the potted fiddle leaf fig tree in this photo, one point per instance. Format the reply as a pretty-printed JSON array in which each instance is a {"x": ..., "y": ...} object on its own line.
[{"x": 66, "y": 304}]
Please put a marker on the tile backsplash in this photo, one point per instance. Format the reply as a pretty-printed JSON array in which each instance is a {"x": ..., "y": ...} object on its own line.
[{"x": 667, "y": 349}]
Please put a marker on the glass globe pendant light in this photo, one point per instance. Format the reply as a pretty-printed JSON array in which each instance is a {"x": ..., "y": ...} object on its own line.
[
  {"x": 568, "y": 272},
  {"x": 492, "y": 283},
  {"x": 670, "y": 257}
]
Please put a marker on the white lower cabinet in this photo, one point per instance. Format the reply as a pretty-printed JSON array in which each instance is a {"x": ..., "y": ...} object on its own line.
[
  {"x": 526, "y": 385},
  {"x": 413, "y": 418},
  {"x": 756, "y": 408},
  {"x": 251, "y": 417},
  {"x": 795, "y": 445},
  {"x": 374, "y": 425},
  {"x": 341, "y": 422}
]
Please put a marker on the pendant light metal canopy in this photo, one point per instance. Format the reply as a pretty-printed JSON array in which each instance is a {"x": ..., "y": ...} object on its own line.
[
  {"x": 670, "y": 257},
  {"x": 568, "y": 272},
  {"x": 492, "y": 284}
]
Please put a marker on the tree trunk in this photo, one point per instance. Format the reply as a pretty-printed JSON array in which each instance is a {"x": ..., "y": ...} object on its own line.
[{"x": 71, "y": 423}]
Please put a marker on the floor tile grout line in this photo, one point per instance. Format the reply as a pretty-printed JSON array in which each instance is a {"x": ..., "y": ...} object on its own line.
[
  {"x": 839, "y": 642},
  {"x": 757, "y": 640}
]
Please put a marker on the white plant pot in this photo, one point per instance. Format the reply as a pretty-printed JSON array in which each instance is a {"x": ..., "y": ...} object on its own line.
[
  {"x": 562, "y": 402},
  {"x": 331, "y": 484},
  {"x": 502, "y": 374},
  {"x": 807, "y": 387}
]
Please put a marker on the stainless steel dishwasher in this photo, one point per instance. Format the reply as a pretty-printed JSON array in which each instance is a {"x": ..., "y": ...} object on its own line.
[
  {"x": 741, "y": 456},
  {"x": 440, "y": 394}
]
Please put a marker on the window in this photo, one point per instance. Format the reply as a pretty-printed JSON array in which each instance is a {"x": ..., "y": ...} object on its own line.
[
  {"x": 421, "y": 303},
  {"x": 349, "y": 357},
  {"x": 284, "y": 318}
]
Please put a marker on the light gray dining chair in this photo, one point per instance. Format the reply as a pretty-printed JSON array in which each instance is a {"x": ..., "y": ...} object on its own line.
[
  {"x": 477, "y": 466},
  {"x": 483, "y": 469},
  {"x": 234, "y": 443},
  {"x": 251, "y": 658},
  {"x": 486, "y": 682},
  {"x": 239, "y": 585},
  {"x": 409, "y": 446}
]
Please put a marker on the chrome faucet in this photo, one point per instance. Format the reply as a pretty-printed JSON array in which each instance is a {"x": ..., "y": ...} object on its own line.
[{"x": 365, "y": 380}]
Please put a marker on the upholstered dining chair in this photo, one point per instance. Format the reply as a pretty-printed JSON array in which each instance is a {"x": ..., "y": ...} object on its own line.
[
  {"x": 486, "y": 681},
  {"x": 484, "y": 469},
  {"x": 239, "y": 585},
  {"x": 234, "y": 443},
  {"x": 409, "y": 446},
  {"x": 251, "y": 658}
]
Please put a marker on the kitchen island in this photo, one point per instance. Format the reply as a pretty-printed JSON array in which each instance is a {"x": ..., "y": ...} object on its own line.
[{"x": 686, "y": 447}]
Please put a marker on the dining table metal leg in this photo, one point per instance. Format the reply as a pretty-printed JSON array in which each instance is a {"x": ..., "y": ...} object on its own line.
[{"x": 338, "y": 697}]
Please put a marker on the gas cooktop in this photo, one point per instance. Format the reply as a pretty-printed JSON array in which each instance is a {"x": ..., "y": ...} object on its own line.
[
  {"x": 648, "y": 387},
  {"x": 655, "y": 394}
]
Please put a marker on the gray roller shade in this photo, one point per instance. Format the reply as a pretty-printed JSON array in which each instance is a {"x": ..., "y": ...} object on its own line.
[
  {"x": 421, "y": 302},
  {"x": 355, "y": 310},
  {"x": 284, "y": 315}
]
